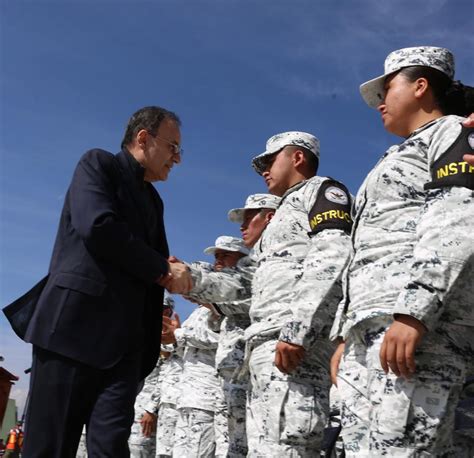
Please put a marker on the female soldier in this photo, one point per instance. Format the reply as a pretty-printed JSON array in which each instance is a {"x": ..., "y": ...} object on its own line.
[{"x": 409, "y": 282}]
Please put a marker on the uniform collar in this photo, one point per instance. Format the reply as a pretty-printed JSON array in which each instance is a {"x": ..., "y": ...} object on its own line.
[
  {"x": 294, "y": 188},
  {"x": 423, "y": 127}
]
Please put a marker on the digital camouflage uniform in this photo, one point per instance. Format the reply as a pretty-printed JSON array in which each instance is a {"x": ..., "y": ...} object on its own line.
[
  {"x": 464, "y": 420},
  {"x": 231, "y": 438},
  {"x": 295, "y": 290},
  {"x": 169, "y": 391},
  {"x": 146, "y": 401},
  {"x": 214, "y": 286},
  {"x": 413, "y": 254},
  {"x": 194, "y": 434},
  {"x": 82, "y": 449}
]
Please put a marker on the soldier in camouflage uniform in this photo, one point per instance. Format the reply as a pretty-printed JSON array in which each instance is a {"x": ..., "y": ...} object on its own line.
[
  {"x": 409, "y": 282},
  {"x": 295, "y": 290},
  {"x": 464, "y": 420},
  {"x": 199, "y": 384},
  {"x": 143, "y": 434},
  {"x": 169, "y": 391},
  {"x": 142, "y": 438},
  {"x": 82, "y": 448},
  {"x": 231, "y": 437}
]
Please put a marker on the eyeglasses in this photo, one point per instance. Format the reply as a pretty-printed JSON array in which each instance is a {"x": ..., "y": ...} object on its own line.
[{"x": 176, "y": 149}]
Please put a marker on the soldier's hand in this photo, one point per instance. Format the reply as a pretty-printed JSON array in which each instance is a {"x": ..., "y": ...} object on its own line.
[
  {"x": 469, "y": 122},
  {"x": 178, "y": 279},
  {"x": 288, "y": 356},
  {"x": 169, "y": 326},
  {"x": 335, "y": 361},
  {"x": 148, "y": 423},
  {"x": 398, "y": 347}
]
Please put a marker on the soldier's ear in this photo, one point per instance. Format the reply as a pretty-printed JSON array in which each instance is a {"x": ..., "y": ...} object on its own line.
[
  {"x": 421, "y": 86},
  {"x": 298, "y": 158},
  {"x": 268, "y": 217}
]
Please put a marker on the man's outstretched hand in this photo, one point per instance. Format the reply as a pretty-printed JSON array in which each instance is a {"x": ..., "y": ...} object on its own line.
[{"x": 178, "y": 280}]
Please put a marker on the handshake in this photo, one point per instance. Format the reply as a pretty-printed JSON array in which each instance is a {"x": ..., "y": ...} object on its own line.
[{"x": 178, "y": 280}]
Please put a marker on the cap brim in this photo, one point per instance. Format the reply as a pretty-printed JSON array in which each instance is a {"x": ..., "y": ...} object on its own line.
[
  {"x": 256, "y": 161},
  {"x": 236, "y": 215},
  {"x": 210, "y": 250},
  {"x": 373, "y": 91}
]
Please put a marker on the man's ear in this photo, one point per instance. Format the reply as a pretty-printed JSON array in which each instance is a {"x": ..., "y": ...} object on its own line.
[{"x": 141, "y": 138}]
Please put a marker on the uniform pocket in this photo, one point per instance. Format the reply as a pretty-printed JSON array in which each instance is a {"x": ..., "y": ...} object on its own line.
[
  {"x": 302, "y": 419},
  {"x": 419, "y": 413}
]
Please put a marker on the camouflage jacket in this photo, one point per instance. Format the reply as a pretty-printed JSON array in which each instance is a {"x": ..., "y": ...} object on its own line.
[
  {"x": 295, "y": 287},
  {"x": 145, "y": 402},
  {"x": 199, "y": 338},
  {"x": 413, "y": 237},
  {"x": 228, "y": 287},
  {"x": 168, "y": 382},
  {"x": 210, "y": 287},
  {"x": 301, "y": 256}
]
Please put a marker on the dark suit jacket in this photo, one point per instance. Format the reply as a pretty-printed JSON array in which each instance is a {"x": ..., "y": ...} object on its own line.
[{"x": 100, "y": 299}]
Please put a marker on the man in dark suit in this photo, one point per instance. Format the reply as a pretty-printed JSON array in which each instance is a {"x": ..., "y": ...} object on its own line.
[{"x": 95, "y": 320}]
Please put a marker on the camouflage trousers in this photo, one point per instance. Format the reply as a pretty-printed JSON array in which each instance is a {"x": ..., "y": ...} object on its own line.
[
  {"x": 139, "y": 445},
  {"x": 464, "y": 433},
  {"x": 386, "y": 415},
  {"x": 335, "y": 420},
  {"x": 165, "y": 429},
  {"x": 82, "y": 449},
  {"x": 286, "y": 414},
  {"x": 194, "y": 434},
  {"x": 229, "y": 419}
]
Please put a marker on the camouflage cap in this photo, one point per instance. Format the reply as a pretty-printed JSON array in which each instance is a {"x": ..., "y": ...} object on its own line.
[
  {"x": 441, "y": 59},
  {"x": 279, "y": 141},
  {"x": 228, "y": 243},
  {"x": 168, "y": 301},
  {"x": 253, "y": 202}
]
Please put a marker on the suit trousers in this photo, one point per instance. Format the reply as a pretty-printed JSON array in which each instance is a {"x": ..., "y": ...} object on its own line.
[{"x": 66, "y": 394}]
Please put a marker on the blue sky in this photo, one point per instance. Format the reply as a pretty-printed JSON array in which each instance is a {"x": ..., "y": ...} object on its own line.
[{"x": 236, "y": 72}]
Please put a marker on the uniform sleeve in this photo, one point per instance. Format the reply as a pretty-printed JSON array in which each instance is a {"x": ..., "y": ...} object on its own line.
[
  {"x": 227, "y": 285},
  {"x": 234, "y": 308},
  {"x": 153, "y": 402},
  {"x": 339, "y": 320},
  {"x": 150, "y": 393},
  {"x": 197, "y": 333},
  {"x": 95, "y": 215},
  {"x": 443, "y": 258},
  {"x": 319, "y": 289}
]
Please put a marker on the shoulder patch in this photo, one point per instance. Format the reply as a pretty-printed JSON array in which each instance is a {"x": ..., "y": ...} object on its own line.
[
  {"x": 332, "y": 209},
  {"x": 451, "y": 169}
]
